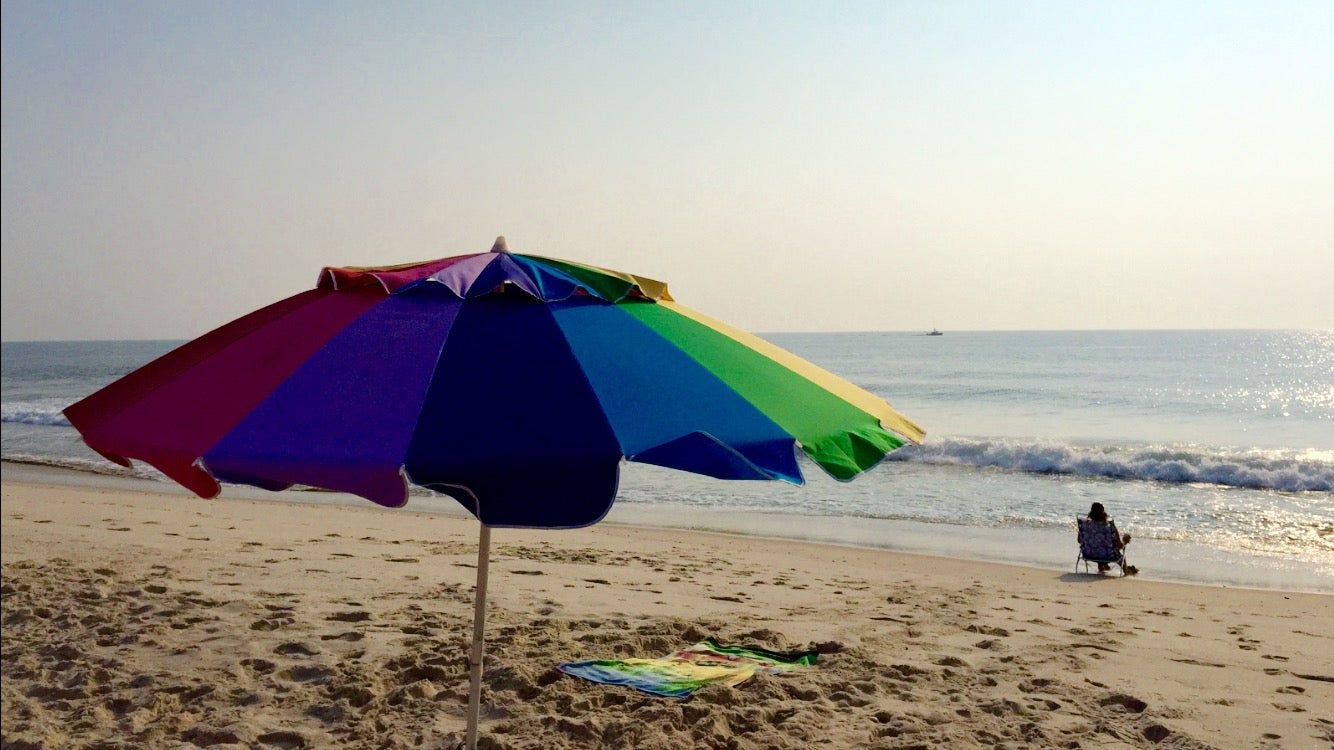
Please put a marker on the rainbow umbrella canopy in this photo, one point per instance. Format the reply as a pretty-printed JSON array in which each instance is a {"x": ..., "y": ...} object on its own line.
[{"x": 515, "y": 384}]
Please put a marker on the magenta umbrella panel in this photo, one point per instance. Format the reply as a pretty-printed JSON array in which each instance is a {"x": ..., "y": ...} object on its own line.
[{"x": 514, "y": 383}]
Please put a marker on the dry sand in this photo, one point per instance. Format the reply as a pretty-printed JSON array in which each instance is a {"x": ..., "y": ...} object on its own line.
[{"x": 139, "y": 620}]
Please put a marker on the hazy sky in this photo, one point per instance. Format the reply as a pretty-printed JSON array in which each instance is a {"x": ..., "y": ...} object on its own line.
[{"x": 169, "y": 166}]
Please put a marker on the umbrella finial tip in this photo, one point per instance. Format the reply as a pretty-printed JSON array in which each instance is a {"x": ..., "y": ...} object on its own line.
[{"x": 501, "y": 245}]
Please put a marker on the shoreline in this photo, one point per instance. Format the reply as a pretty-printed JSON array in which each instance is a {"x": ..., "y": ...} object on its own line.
[
  {"x": 258, "y": 624},
  {"x": 1043, "y": 549}
]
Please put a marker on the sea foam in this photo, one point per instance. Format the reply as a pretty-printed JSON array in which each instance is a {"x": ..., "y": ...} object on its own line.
[
  {"x": 1287, "y": 471},
  {"x": 40, "y": 412}
]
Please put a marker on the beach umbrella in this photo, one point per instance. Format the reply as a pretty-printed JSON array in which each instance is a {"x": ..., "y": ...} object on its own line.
[{"x": 514, "y": 383}]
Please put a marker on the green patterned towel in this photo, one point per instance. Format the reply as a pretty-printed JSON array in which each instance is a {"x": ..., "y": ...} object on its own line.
[{"x": 682, "y": 673}]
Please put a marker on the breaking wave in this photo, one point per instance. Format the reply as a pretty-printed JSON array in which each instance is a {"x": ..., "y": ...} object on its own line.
[
  {"x": 1283, "y": 470},
  {"x": 44, "y": 412}
]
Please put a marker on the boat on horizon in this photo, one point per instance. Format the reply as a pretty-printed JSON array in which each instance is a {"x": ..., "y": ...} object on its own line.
[{"x": 935, "y": 332}]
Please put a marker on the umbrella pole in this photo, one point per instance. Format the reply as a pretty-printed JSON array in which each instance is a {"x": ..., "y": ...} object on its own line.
[{"x": 478, "y": 626}]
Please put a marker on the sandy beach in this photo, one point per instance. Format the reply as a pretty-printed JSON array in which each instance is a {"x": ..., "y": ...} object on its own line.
[{"x": 141, "y": 620}]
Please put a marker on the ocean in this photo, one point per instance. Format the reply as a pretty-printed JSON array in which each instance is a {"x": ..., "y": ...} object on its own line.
[{"x": 1214, "y": 449}]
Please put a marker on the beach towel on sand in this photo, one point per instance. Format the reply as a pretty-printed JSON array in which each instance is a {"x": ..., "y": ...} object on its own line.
[{"x": 682, "y": 673}]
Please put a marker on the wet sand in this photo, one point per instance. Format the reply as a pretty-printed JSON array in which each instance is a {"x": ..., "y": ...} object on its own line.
[{"x": 133, "y": 619}]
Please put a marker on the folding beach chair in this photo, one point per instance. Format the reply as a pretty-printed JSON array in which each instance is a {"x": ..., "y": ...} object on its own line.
[{"x": 1098, "y": 544}]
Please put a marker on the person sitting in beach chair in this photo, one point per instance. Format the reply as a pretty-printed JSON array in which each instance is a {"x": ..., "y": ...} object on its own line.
[{"x": 1101, "y": 543}]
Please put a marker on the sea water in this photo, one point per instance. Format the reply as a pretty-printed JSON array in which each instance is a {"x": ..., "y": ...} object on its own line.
[{"x": 1214, "y": 449}]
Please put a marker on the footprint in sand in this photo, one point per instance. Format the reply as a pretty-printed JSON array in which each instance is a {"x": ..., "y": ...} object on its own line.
[
  {"x": 1156, "y": 733},
  {"x": 348, "y": 636},
  {"x": 1318, "y": 677},
  {"x": 295, "y": 648},
  {"x": 1129, "y": 703},
  {"x": 316, "y": 673},
  {"x": 259, "y": 666},
  {"x": 284, "y": 740},
  {"x": 1037, "y": 685},
  {"x": 1198, "y": 663}
]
